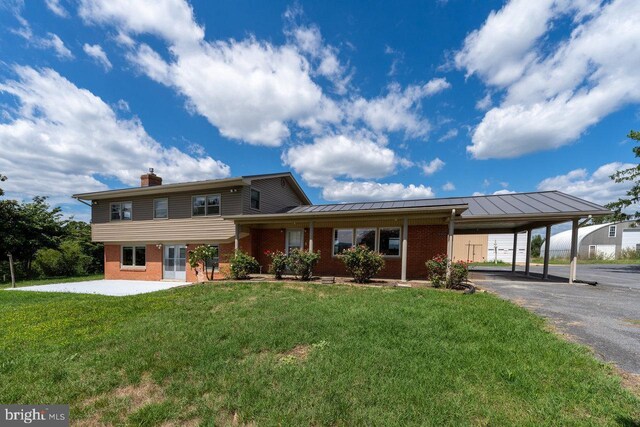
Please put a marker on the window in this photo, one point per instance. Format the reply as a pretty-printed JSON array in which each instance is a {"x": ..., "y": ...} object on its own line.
[
  {"x": 255, "y": 199},
  {"x": 205, "y": 205},
  {"x": 294, "y": 240},
  {"x": 160, "y": 208},
  {"x": 133, "y": 256},
  {"x": 366, "y": 237},
  {"x": 214, "y": 262},
  {"x": 121, "y": 211},
  {"x": 342, "y": 240},
  {"x": 389, "y": 241},
  {"x": 612, "y": 231}
]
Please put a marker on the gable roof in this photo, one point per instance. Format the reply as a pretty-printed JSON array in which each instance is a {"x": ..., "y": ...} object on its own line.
[{"x": 193, "y": 185}]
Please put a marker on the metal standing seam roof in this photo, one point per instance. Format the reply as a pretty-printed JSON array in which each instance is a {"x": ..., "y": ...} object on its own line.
[{"x": 545, "y": 202}]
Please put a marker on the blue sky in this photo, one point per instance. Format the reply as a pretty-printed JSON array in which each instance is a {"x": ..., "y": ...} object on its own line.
[{"x": 361, "y": 100}]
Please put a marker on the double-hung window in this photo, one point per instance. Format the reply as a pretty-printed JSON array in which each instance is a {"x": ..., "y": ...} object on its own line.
[
  {"x": 255, "y": 199},
  {"x": 294, "y": 239},
  {"x": 121, "y": 211},
  {"x": 133, "y": 256},
  {"x": 160, "y": 208},
  {"x": 612, "y": 231},
  {"x": 205, "y": 205}
]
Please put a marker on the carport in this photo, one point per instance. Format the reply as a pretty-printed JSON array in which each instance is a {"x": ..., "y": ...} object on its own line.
[{"x": 516, "y": 213}]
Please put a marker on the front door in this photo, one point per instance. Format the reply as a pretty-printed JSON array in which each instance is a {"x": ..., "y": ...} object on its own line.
[{"x": 175, "y": 262}]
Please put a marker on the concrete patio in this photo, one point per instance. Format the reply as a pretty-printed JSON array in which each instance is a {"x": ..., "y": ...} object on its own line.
[{"x": 105, "y": 287}]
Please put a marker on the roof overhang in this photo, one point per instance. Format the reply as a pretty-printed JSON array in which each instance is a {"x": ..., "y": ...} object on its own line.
[{"x": 163, "y": 189}]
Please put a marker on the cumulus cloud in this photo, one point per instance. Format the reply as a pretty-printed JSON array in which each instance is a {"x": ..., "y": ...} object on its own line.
[
  {"x": 552, "y": 94},
  {"x": 504, "y": 191},
  {"x": 60, "y": 151},
  {"x": 371, "y": 191},
  {"x": 432, "y": 167},
  {"x": 341, "y": 156},
  {"x": 96, "y": 52},
  {"x": 596, "y": 187},
  {"x": 50, "y": 41}
]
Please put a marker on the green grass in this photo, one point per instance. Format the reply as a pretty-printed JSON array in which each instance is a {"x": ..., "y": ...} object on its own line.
[
  {"x": 305, "y": 354},
  {"x": 490, "y": 264},
  {"x": 35, "y": 282}
]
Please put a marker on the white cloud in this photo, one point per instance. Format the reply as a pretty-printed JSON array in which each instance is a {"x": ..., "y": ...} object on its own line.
[
  {"x": 596, "y": 187},
  {"x": 60, "y": 151},
  {"x": 55, "y": 7},
  {"x": 340, "y": 191},
  {"x": 433, "y": 166},
  {"x": 450, "y": 134},
  {"x": 51, "y": 41},
  {"x": 477, "y": 193},
  {"x": 96, "y": 52},
  {"x": 552, "y": 95},
  {"x": 448, "y": 186},
  {"x": 341, "y": 156},
  {"x": 504, "y": 191},
  {"x": 485, "y": 103}
]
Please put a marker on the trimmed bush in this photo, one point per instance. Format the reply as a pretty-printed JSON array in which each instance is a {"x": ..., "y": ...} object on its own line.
[
  {"x": 301, "y": 263},
  {"x": 241, "y": 265},
  {"x": 362, "y": 263},
  {"x": 278, "y": 264},
  {"x": 437, "y": 272}
]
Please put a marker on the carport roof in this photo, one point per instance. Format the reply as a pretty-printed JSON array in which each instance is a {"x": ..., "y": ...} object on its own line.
[{"x": 512, "y": 210}]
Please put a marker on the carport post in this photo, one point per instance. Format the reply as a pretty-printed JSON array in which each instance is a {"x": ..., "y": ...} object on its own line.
[
  {"x": 573, "y": 269},
  {"x": 528, "y": 254},
  {"x": 405, "y": 232},
  {"x": 311, "y": 236},
  {"x": 237, "y": 238},
  {"x": 547, "y": 242},
  {"x": 515, "y": 251}
]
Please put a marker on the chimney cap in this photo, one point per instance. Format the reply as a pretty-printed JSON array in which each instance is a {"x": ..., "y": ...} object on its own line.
[{"x": 150, "y": 170}]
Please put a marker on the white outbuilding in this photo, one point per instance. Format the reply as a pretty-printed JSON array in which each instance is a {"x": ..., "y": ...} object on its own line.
[{"x": 596, "y": 241}]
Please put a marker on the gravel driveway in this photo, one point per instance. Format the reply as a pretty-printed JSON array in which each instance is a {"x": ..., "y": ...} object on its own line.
[{"x": 605, "y": 317}]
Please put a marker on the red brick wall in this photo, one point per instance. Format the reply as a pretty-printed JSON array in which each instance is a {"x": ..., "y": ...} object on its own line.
[
  {"x": 152, "y": 270},
  {"x": 424, "y": 242}
]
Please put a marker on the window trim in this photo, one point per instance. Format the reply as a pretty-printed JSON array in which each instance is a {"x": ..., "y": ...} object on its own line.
[
  {"x": 133, "y": 258},
  {"x": 154, "y": 208},
  {"x": 399, "y": 237},
  {"x": 251, "y": 190},
  {"x": 615, "y": 231},
  {"x": 286, "y": 239},
  {"x": 206, "y": 205},
  {"x": 120, "y": 203}
]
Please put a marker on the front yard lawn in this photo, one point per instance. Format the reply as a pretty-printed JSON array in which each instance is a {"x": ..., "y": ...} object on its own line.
[
  {"x": 300, "y": 354},
  {"x": 35, "y": 282}
]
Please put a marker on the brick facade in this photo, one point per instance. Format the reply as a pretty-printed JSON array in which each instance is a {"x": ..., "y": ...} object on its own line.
[{"x": 424, "y": 242}]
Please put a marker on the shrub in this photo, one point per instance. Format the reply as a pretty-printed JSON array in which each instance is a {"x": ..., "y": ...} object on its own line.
[
  {"x": 437, "y": 272},
  {"x": 278, "y": 263},
  {"x": 68, "y": 260},
  {"x": 201, "y": 256},
  {"x": 301, "y": 263},
  {"x": 630, "y": 253},
  {"x": 241, "y": 264},
  {"x": 362, "y": 263}
]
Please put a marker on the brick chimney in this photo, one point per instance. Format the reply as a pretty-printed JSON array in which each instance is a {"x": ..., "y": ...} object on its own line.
[{"x": 150, "y": 179}]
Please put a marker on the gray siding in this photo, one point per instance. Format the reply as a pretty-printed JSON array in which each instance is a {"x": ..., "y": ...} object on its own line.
[
  {"x": 179, "y": 205},
  {"x": 601, "y": 237},
  {"x": 273, "y": 196}
]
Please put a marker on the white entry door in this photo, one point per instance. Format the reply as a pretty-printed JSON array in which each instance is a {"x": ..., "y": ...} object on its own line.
[{"x": 175, "y": 262}]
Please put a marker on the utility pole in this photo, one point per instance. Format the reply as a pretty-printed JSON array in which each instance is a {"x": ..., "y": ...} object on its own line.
[{"x": 13, "y": 275}]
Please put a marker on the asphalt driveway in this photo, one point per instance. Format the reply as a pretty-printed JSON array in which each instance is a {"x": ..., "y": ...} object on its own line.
[
  {"x": 104, "y": 287},
  {"x": 605, "y": 317}
]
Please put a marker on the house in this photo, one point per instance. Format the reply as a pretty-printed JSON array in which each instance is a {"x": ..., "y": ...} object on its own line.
[
  {"x": 148, "y": 231},
  {"x": 490, "y": 248},
  {"x": 597, "y": 241}
]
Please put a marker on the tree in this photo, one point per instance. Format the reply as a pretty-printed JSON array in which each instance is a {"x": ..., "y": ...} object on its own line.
[
  {"x": 536, "y": 244},
  {"x": 2, "y": 179},
  {"x": 633, "y": 194},
  {"x": 203, "y": 256}
]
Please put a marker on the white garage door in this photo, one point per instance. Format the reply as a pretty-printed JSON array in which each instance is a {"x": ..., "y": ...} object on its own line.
[{"x": 631, "y": 239}]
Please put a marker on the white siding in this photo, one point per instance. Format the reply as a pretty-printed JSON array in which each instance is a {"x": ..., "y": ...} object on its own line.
[
  {"x": 630, "y": 238},
  {"x": 505, "y": 247}
]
